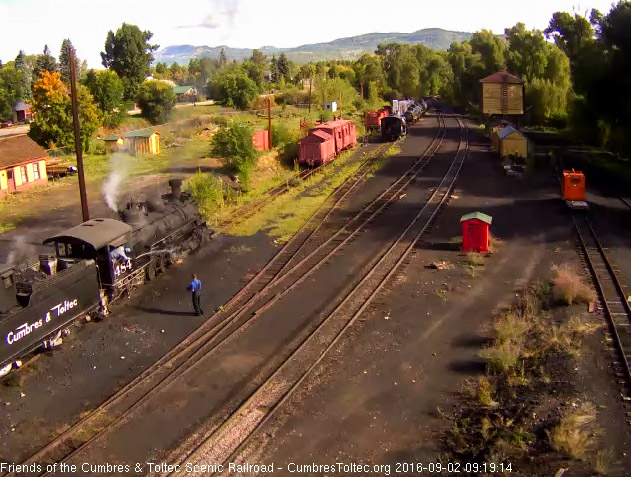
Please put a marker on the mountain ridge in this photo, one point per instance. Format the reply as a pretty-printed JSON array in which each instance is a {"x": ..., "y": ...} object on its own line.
[{"x": 346, "y": 48}]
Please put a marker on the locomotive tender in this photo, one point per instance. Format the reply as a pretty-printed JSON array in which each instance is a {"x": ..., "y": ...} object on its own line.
[{"x": 93, "y": 265}]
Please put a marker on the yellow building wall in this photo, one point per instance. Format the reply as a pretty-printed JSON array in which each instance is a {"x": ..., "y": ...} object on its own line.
[
  {"x": 492, "y": 99},
  {"x": 17, "y": 176},
  {"x": 4, "y": 184},
  {"x": 514, "y": 144},
  {"x": 29, "y": 172}
]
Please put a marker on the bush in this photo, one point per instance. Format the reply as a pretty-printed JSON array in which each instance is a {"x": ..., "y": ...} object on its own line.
[
  {"x": 502, "y": 357},
  {"x": 234, "y": 144},
  {"x": 220, "y": 120},
  {"x": 156, "y": 100},
  {"x": 207, "y": 190},
  {"x": 235, "y": 89},
  {"x": 286, "y": 140},
  {"x": 568, "y": 286},
  {"x": 573, "y": 435}
]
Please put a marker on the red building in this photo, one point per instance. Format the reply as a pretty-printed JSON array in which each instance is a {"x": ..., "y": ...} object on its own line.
[
  {"x": 260, "y": 140},
  {"x": 476, "y": 232}
]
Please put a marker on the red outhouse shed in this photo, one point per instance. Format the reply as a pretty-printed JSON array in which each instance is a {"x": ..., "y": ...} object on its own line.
[
  {"x": 260, "y": 140},
  {"x": 475, "y": 232}
]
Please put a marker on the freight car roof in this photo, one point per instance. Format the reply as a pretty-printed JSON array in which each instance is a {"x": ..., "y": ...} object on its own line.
[{"x": 96, "y": 232}]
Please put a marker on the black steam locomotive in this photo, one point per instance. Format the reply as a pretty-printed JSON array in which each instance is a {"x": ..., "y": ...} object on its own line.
[{"x": 94, "y": 264}]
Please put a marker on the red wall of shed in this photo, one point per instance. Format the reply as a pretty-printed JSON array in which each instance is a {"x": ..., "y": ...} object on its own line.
[{"x": 475, "y": 236}]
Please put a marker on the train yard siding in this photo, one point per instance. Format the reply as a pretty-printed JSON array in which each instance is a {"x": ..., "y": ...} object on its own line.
[
  {"x": 116, "y": 350},
  {"x": 382, "y": 395}
]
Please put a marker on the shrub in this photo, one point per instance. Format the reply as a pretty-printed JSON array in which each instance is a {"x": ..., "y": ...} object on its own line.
[
  {"x": 220, "y": 120},
  {"x": 207, "y": 190},
  {"x": 234, "y": 144},
  {"x": 511, "y": 328},
  {"x": 568, "y": 286},
  {"x": 502, "y": 357},
  {"x": 573, "y": 435},
  {"x": 475, "y": 259},
  {"x": 156, "y": 100}
]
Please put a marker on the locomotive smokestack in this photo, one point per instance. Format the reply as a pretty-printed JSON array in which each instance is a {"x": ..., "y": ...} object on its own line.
[{"x": 176, "y": 188}]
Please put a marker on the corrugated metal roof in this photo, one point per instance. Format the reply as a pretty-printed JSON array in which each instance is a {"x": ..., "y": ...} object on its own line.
[
  {"x": 181, "y": 89},
  {"x": 487, "y": 219},
  {"x": 502, "y": 77},
  {"x": 502, "y": 133},
  {"x": 21, "y": 106},
  {"x": 146, "y": 133},
  {"x": 112, "y": 137},
  {"x": 17, "y": 150},
  {"x": 95, "y": 232}
]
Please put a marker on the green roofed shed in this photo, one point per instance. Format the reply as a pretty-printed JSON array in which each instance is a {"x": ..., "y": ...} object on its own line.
[{"x": 487, "y": 219}]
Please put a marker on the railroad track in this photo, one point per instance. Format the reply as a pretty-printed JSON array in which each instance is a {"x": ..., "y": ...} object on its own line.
[
  {"x": 199, "y": 343},
  {"x": 225, "y": 441},
  {"x": 613, "y": 301}
]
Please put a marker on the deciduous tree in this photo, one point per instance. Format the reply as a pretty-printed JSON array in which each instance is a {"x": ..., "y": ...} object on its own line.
[
  {"x": 52, "y": 125},
  {"x": 108, "y": 92},
  {"x": 129, "y": 54}
]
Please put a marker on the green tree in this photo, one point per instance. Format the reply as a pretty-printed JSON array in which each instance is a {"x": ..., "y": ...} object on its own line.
[
  {"x": 161, "y": 68},
  {"x": 234, "y": 88},
  {"x": 45, "y": 62},
  {"x": 156, "y": 100},
  {"x": 52, "y": 125},
  {"x": 11, "y": 89},
  {"x": 223, "y": 58},
  {"x": 64, "y": 62},
  {"x": 527, "y": 55},
  {"x": 129, "y": 54},
  {"x": 108, "y": 92},
  {"x": 234, "y": 144},
  {"x": 258, "y": 58},
  {"x": 491, "y": 48}
]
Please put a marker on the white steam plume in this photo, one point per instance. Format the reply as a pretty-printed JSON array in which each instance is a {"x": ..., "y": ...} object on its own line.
[
  {"x": 21, "y": 250},
  {"x": 111, "y": 186}
]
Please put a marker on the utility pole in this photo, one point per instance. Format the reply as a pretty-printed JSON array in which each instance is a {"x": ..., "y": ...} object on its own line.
[
  {"x": 77, "y": 136},
  {"x": 341, "y": 105},
  {"x": 361, "y": 86},
  {"x": 310, "y": 88},
  {"x": 269, "y": 121}
]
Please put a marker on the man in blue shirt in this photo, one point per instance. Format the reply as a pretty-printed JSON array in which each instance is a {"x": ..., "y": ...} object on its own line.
[{"x": 196, "y": 288}]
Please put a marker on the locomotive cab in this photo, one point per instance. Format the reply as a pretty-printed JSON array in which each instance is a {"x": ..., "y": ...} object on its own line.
[{"x": 99, "y": 240}]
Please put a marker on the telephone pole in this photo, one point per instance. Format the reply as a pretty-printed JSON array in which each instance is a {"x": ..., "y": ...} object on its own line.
[
  {"x": 341, "y": 105},
  {"x": 269, "y": 121},
  {"x": 310, "y": 88},
  {"x": 361, "y": 86},
  {"x": 77, "y": 136}
]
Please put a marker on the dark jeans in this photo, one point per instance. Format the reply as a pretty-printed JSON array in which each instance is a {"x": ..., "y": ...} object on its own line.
[{"x": 196, "y": 304}]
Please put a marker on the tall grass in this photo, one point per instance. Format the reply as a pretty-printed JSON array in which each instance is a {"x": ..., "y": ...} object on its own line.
[{"x": 568, "y": 286}]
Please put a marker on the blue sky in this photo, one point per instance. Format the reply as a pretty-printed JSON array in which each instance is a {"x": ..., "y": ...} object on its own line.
[{"x": 29, "y": 24}]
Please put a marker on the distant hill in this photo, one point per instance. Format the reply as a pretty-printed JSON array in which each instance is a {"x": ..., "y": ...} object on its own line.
[{"x": 342, "y": 49}]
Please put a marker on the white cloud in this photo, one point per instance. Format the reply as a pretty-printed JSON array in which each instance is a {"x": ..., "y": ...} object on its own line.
[{"x": 253, "y": 23}]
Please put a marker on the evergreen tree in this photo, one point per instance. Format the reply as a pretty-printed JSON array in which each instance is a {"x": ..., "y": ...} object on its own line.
[
  {"x": 283, "y": 67},
  {"x": 20, "y": 65},
  {"x": 223, "y": 59},
  {"x": 45, "y": 62},
  {"x": 274, "y": 69},
  {"x": 64, "y": 62}
]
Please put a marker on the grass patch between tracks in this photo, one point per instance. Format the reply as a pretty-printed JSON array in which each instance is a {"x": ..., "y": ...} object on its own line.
[
  {"x": 525, "y": 408},
  {"x": 284, "y": 216}
]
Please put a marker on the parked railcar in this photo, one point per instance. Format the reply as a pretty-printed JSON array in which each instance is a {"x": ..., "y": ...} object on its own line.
[
  {"x": 94, "y": 264},
  {"x": 373, "y": 119},
  {"x": 393, "y": 127},
  {"x": 326, "y": 141}
]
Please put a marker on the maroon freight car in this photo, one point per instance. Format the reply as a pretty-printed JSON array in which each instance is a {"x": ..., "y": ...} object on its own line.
[{"x": 316, "y": 148}]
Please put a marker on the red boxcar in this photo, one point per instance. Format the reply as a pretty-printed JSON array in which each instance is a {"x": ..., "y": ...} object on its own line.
[
  {"x": 316, "y": 148},
  {"x": 373, "y": 119}
]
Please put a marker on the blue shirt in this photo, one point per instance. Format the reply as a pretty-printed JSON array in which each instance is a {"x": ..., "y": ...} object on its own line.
[{"x": 196, "y": 285}]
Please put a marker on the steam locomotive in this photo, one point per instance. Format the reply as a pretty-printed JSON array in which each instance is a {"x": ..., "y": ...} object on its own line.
[{"x": 94, "y": 264}]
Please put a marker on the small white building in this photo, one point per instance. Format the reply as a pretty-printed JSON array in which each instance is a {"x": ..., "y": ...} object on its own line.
[{"x": 331, "y": 106}]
